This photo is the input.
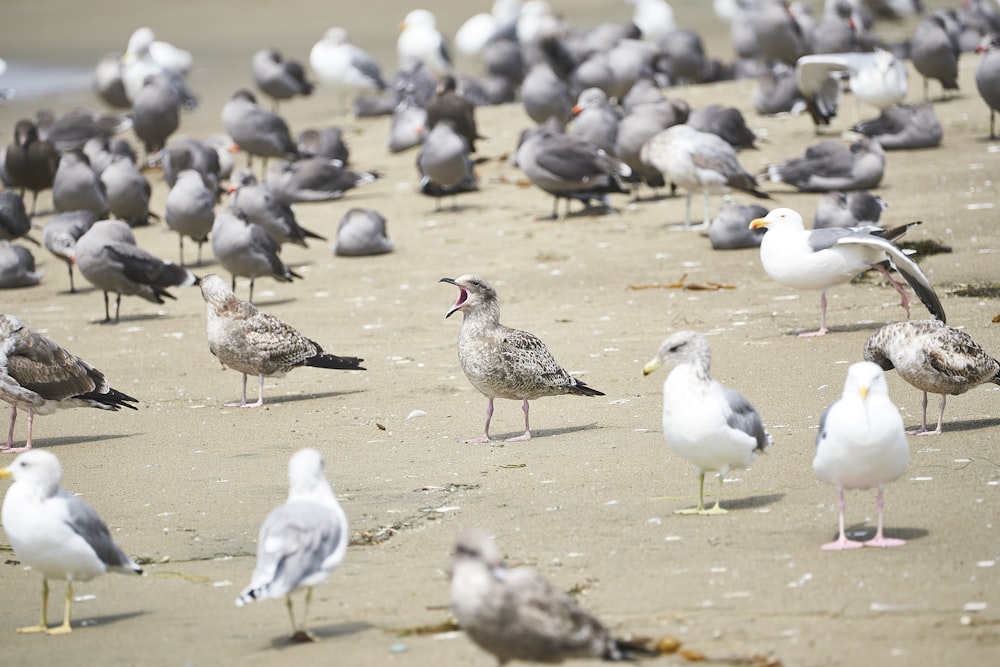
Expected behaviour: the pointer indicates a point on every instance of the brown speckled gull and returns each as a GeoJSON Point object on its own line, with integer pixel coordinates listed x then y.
{"type": "Point", "coordinates": [41, 377]}
{"type": "Point", "coordinates": [255, 343]}
{"type": "Point", "coordinates": [934, 358]}
{"type": "Point", "coordinates": [502, 362]}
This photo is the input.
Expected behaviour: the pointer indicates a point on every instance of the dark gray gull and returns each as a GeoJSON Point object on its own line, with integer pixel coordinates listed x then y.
{"type": "Point", "coordinates": [778, 35]}
{"type": "Point", "coordinates": [644, 91]}
{"type": "Point", "coordinates": [17, 266]}
{"type": "Point", "coordinates": [696, 160]}
{"type": "Point", "coordinates": [260, 206]}
{"type": "Point", "coordinates": [444, 164]}
{"type": "Point", "coordinates": [568, 168]}
{"type": "Point", "coordinates": [31, 163]}
{"type": "Point", "coordinates": [278, 78]}
{"type": "Point", "coordinates": [346, 68]}
{"type": "Point", "coordinates": [190, 210]}
{"type": "Point", "coordinates": [109, 258]}
{"type": "Point", "coordinates": [848, 209]}
{"type": "Point", "coordinates": [128, 192]}
{"type": "Point", "coordinates": [75, 127]}
{"type": "Point", "coordinates": [56, 533]}
{"type": "Point", "coordinates": [255, 343]}
{"type": "Point", "coordinates": [730, 230]}
{"type": "Point", "coordinates": [327, 142]}
{"type": "Point", "coordinates": [638, 127]}
{"type": "Point", "coordinates": [836, 31]}
{"type": "Point", "coordinates": [501, 362]}
{"type": "Point", "coordinates": [256, 130]}
{"type": "Point", "coordinates": [101, 151]}
{"type": "Point", "coordinates": [988, 77]}
{"type": "Point", "coordinates": [934, 358]}
{"type": "Point", "coordinates": [631, 60]}
{"type": "Point", "coordinates": [362, 232]}
{"type": "Point", "coordinates": [544, 95]}
{"type": "Point", "coordinates": [819, 259]}
{"type": "Point", "coordinates": [61, 233]}
{"type": "Point", "coordinates": [194, 154]}
{"type": "Point", "coordinates": [706, 423]}
{"type": "Point", "coordinates": [448, 104]}
{"type": "Point", "coordinates": [595, 120]}
{"type": "Point", "coordinates": [14, 221]}
{"type": "Point", "coordinates": [514, 613]}
{"type": "Point", "coordinates": [831, 165]}
{"type": "Point", "coordinates": [904, 127]}
{"type": "Point", "coordinates": [777, 91]}
{"type": "Point", "coordinates": [156, 113]}
{"type": "Point", "coordinates": [726, 122]}
{"type": "Point", "coordinates": [248, 250]}
{"type": "Point", "coordinates": [861, 444]}
{"type": "Point", "coordinates": [77, 186]}
{"type": "Point", "coordinates": [877, 78]}
{"type": "Point", "coordinates": [314, 179]}
{"type": "Point", "coordinates": [40, 376]}
{"type": "Point", "coordinates": [681, 58]}
{"type": "Point", "coordinates": [934, 54]}
{"type": "Point", "coordinates": [301, 541]}
{"type": "Point", "coordinates": [421, 42]}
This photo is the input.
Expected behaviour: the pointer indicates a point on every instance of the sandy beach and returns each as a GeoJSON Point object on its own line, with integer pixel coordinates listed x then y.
{"type": "Point", "coordinates": [184, 483]}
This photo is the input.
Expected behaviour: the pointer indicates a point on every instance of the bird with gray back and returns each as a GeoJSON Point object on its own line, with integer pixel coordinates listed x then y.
{"type": "Point", "coordinates": [278, 78]}
{"type": "Point", "coordinates": [156, 113]}
{"type": "Point", "coordinates": [988, 77]}
{"type": "Point", "coordinates": [61, 233]}
{"type": "Point", "coordinates": [444, 164]}
{"type": "Point", "coordinates": [128, 192]}
{"type": "Point", "coordinates": [260, 206]}
{"type": "Point", "coordinates": [17, 266]}
{"type": "Point", "coordinates": [14, 221]}
{"type": "Point", "coordinates": [247, 250]}
{"type": "Point", "coordinates": [256, 130]}
{"type": "Point", "coordinates": [832, 165]}
{"type": "Point", "coordinates": [78, 187]}
{"type": "Point", "coordinates": [362, 232]}
{"type": "Point", "coordinates": [190, 210]}
{"type": "Point", "coordinates": [904, 127]}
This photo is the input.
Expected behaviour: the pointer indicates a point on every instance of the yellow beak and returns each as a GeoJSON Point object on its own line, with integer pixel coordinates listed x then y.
{"type": "Point", "coordinates": [653, 364]}
{"type": "Point", "coordinates": [5, 473]}
{"type": "Point", "coordinates": [758, 223]}
{"type": "Point", "coordinates": [863, 390]}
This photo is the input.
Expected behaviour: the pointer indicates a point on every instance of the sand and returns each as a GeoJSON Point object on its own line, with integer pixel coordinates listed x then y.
{"type": "Point", "coordinates": [184, 483]}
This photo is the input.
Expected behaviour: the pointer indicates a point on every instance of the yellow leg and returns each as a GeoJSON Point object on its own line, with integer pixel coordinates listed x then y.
{"type": "Point", "coordinates": [65, 628]}
{"type": "Point", "coordinates": [299, 634]}
{"type": "Point", "coordinates": [43, 624]}
{"type": "Point", "coordinates": [718, 499]}
{"type": "Point", "coordinates": [701, 497]}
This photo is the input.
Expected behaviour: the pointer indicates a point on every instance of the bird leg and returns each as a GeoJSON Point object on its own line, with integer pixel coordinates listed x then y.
{"type": "Point", "coordinates": [10, 434]}
{"type": "Point", "coordinates": [180, 238]}
{"type": "Point", "coordinates": [904, 298]}
{"type": "Point", "coordinates": [107, 311]}
{"type": "Point", "coordinates": [243, 402]}
{"type": "Point", "coordinates": [118, 305]}
{"type": "Point", "coordinates": [43, 625]}
{"type": "Point", "coordinates": [701, 497]}
{"type": "Point", "coordinates": [486, 431]}
{"type": "Point", "coordinates": [923, 422]}
{"type": "Point", "coordinates": [250, 298]}
{"type": "Point", "coordinates": [718, 499]}
{"type": "Point", "coordinates": [842, 541]}
{"type": "Point", "coordinates": [9, 448]}
{"type": "Point", "coordinates": [72, 287]}
{"type": "Point", "coordinates": [300, 634]}
{"type": "Point", "coordinates": [822, 319]}
{"type": "Point", "coordinates": [65, 628]}
{"type": "Point", "coordinates": [527, 431]}
{"type": "Point", "coordinates": [879, 540]}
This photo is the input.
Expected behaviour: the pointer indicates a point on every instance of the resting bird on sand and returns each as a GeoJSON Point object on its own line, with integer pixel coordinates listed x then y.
{"type": "Point", "coordinates": [56, 533]}
{"type": "Point", "coordinates": [502, 362]}
{"type": "Point", "coordinates": [708, 424]}
{"type": "Point", "coordinates": [41, 377]}
{"type": "Point", "coordinates": [255, 343]}
{"type": "Point", "coordinates": [516, 614]}
{"type": "Point", "coordinates": [822, 258]}
{"type": "Point", "coordinates": [861, 444]}
{"type": "Point", "coordinates": [301, 541]}
{"type": "Point", "coordinates": [934, 358]}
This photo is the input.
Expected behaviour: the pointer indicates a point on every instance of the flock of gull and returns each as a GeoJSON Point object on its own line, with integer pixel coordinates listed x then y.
{"type": "Point", "coordinates": [602, 126]}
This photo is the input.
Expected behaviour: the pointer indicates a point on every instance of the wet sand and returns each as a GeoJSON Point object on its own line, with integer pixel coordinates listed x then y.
{"type": "Point", "coordinates": [185, 483]}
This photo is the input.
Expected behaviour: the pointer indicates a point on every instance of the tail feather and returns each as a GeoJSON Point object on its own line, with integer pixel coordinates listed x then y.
{"type": "Point", "coordinates": [334, 362]}
{"type": "Point", "coordinates": [112, 399]}
{"type": "Point", "coordinates": [582, 389]}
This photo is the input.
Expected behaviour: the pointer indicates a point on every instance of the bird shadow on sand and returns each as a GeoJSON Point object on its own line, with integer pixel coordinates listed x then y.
{"type": "Point", "coordinates": [862, 531]}
{"type": "Point", "coordinates": [78, 439]}
{"type": "Point", "coordinates": [967, 425]}
{"type": "Point", "coordinates": [294, 398]}
{"type": "Point", "coordinates": [125, 319]}
{"type": "Point", "coordinates": [537, 434]}
{"type": "Point", "coordinates": [843, 328]}
{"type": "Point", "coordinates": [81, 624]}
{"type": "Point", "coordinates": [79, 290]}
{"type": "Point", "coordinates": [752, 502]}
{"type": "Point", "coordinates": [322, 633]}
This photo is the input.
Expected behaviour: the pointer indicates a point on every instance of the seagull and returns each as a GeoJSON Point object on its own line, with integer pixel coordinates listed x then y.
{"type": "Point", "coordinates": [861, 444]}
{"type": "Point", "coordinates": [708, 424]}
{"type": "Point", "coordinates": [516, 614]}
{"type": "Point", "coordinates": [934, 54]}
{"type": "Point", "coordinates": [988, 77]}
{"type": "Point", "coordinates": [344, 66]}
{"type": "Point", "coordinates": [156, 113]}
{"type": "Point", "coordinates": [128, 191]}
{"type": "Point", "coordinates": [245, 249]}
{"type": "Point", "coordinates": [30, 161]}
{"type": "Point", "coordinates": [447, 104]}
{"type": "Point", "coordinates": [278, 78]}
{"type": "Point", "coordinates": [821, 258]}
{"type": "Point", "coordinates": [190, 210]}
{"type": "Point", "coordinates": [444, 164]}
{"type": "Point", "coordinates": [301, 541]}
{"type": "Point", "coordinates": [77, 186]}
{"type": "Point", "coordinates": [420, 42]}
{"type": "Point", "coordinates": [255, 343]}
{"type": "Point", "coordinates": [904, 127]}
{"type": "Point", "coordinates": [262, 207]}
{"type": "Point", "coordinates": [362, 232]}
{"type": "Point", "coordinates": [877, 78]}
{"type": "Point", "coordinates": [256, 130]}
{"type": "Point", "coordinates": [934, 358]}
{"type": "Point", "coordinates": [501, 362]}
{"type": "Point", "coordinates": [830, 165]}
{"type": "Point", "coordinates": [848, 209]}
{"type": "Point", "coordinates": [14, 221]}
{"type": "Point", "coordinates": [55, 532]}
{"type": "Point", "coordinates": [145, 55]}
{"type": "Point", "coordinates": [729, 229]}
{"type": "Point", "coordinates": [61, 233]}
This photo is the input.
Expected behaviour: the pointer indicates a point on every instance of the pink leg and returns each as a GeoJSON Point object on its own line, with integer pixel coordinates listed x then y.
{"type": "Point", "coordinates": [923, 419]}
{"type": "Point", "coordinates": [486, 431]}
{"type": "Point", "coordinates": [243, 403]}
{"type": "Point", "coordinates": [27, 445]}
{"type": "Point", "coordinates": [842, 542]}
{"type": "Point", "coordinates": [822, 319]}
{"type": "Point", "coordinates": [879, 540]}
{"type": "Point", "coordinates": [937, 431]}
{"type": "Point", "coordinates": [10, 434]}
{"type": "Point", "coordinates": [904, 298]}
{"type": "Point", "coordinates": [527, 431]}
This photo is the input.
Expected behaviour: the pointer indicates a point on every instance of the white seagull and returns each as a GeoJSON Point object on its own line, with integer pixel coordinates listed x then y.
{"type": "Point", "coordinates": [877, 78]}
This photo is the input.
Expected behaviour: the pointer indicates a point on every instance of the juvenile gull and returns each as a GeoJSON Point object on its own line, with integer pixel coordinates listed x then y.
{"type": "Point", "coordinates": [861, 444]}
{"type": "Point", "coordinates": [17, 266]}
{"type": "Point", "coordinates": [987, 77]}
{"type": "Point", "coordinates": [39, 376]}
{"type": "Point", "coordinates": [903, 127]}
{"type": "Point", "coordinates": [821, 258]}
{"type": "Point", "coordinates": [278, 78]}
{"type": "Point", "coordinates": [501, 362]}
{"type": "Point", "coordinates": [830, 165]}
{"type": "Point", "coordinates": [362, 232]}
{"type": "Point", "coordinates": [55, 532]}
{"type": "Point", "coordinates": [245, 249]}
{"type": "Point", "coordinates": [934, 358]}
{"type": "Point", "coordinates": [447, 104]}
{"type": "Point", "coordinates": [31, 163]}
{"type": "Point", "coordinates": [516, 614]}
{"type": "Point", "coordinates": [255, 343]}
{"type": "Point", "coordinates": [190, 210]}
{"type": "Point", "coordinates": [708, 424]}
{"type": "Point", "coordinates": [108, 257]}
{"type": "Point", "coordinates": [301, 541]}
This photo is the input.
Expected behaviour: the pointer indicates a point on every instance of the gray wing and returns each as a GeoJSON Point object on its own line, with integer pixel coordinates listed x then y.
{"type": "Point", "coordinates": [826, 237]}
{"type": "Point", "coordinates": [86, 523]}
{"type": "Point", "coordinates": [821, 436]}
{"type": "Point", "coordinates": [363, 62]}
{"type": "Point", "coordinates": [744, 417]}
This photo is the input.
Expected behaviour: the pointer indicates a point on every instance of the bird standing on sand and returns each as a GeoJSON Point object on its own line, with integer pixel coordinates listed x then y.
{"type": "Point", "coordinates": [245, 249]}
{"type": "Point", "coordinates": [987, 78]}
{"type": "Point", "coordinates": [55, 532]}
{"type": "Point", "coordinates": [38, 375]}
{"type": "Point", "coordinates": [934, 358]}
{"type": "Point", "coordinates": [278, 78]}
{"type": "Point", "coordinates": [255, 343]}
{"type": "Point", "coordinates": [516, 614]}
{"type": "Point", "coordinates": [861, 444]}
{"type": "Point", "coordinates": [822, 258]}
{"type": "Point", "coordinates": [256, 130]}
{"type": "Point", "coordinates": [31, 163]}
{"type": "Point", "coordinates": [708, 424]}
{"type": "Point", "coordinates": [502, 362]}
{"type": "Point", "coordinates": [301, 541]}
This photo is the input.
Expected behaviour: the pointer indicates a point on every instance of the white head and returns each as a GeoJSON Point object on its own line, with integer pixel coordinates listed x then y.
{"type": "Point", "coordinates": [37, 468]}
{"type": "Point", "coordinates": [784, 218]}
{"type": "Point", "coordinates": [306, 473]}
{"type": "Point", "coordinates": [863, 379]}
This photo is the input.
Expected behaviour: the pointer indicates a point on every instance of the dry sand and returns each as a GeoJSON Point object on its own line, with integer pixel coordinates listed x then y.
{"type": "Point", "coordinates": [185, 483]}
